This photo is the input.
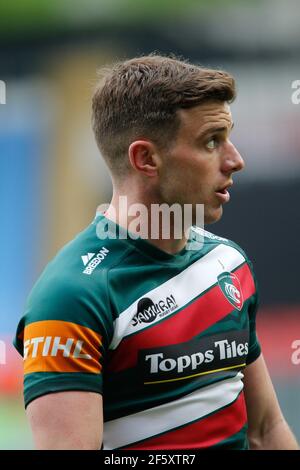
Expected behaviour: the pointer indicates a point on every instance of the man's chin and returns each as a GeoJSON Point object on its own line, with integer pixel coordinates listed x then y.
{"type": "Point", "coordinates": [213, 216]}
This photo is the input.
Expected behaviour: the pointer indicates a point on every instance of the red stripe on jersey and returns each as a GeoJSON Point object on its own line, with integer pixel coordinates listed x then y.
{"type": "Point", "coordinates": [204, 433]}
{"type": "Point", "coordinates": [182, 326]}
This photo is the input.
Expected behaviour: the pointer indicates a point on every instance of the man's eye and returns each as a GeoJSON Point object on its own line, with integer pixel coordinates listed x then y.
{"type": "Point", "coordinates": [212, 143]}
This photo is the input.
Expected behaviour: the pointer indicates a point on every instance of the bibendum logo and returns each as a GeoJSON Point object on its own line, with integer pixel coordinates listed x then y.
{"type": "Point", "coordinates": [230, 286]}
{"type": "Point", "coordinates": [207, 355]}
{"type": "Point", "coordinates": [148, 311]}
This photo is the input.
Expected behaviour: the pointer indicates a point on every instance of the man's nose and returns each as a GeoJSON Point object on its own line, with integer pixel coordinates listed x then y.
{"type": "Point", "coordinates": [232, 159]}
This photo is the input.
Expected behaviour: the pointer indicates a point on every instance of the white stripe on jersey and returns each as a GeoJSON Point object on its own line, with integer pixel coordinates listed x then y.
{"type": "Point", "coordinates": [185, 287]}
{"type": "Point", "coordinates": [153, 421]}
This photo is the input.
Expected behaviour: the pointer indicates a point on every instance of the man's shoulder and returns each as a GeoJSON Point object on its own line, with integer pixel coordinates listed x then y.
{"type": "Point", "coordinates": [72, 289]}
{"type": "Point", "coordinates": [85, 259]}
{"type": "Point", "coordinates": [76, 278]}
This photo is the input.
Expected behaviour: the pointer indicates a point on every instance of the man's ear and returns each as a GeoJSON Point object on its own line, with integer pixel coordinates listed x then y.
{"type": "Point", "coordinates": [143, 157]}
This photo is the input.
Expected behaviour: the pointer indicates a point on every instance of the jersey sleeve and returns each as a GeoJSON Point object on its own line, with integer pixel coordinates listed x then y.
{"type": "Point", "coordinates": [63, 336]}
{"type": "Point", "coordinates": [254, 345]}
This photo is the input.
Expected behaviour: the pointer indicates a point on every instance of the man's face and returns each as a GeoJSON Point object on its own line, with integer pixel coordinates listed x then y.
{"type": "Point", "coordinates": [202, 160]}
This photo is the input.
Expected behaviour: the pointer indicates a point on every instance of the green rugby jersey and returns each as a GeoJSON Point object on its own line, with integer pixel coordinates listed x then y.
{"type": "Point", "coordinates": [164, 338]}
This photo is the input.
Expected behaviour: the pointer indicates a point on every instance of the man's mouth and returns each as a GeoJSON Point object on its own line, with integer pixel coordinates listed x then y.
{"type": "Point", "coordinates": [223, 193]}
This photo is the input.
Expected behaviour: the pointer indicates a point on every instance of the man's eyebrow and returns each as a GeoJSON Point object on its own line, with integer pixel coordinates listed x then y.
{"type": "Point", "coordinates": [213, 130]}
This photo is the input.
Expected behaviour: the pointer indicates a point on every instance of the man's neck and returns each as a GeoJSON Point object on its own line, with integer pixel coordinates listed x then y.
{"type": "Point", "coordinates": [124, 212]}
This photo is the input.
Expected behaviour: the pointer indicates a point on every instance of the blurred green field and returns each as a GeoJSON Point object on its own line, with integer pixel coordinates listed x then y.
{"type": "Point", "coordinates": [15, 433]}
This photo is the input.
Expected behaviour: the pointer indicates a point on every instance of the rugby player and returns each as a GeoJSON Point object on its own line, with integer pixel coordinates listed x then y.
{"type": "Point", "coordinates": [144, 342]}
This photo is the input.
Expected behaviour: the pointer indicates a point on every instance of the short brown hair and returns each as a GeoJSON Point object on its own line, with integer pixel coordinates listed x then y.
{"type": "Point", "coordinates": [139, 98]}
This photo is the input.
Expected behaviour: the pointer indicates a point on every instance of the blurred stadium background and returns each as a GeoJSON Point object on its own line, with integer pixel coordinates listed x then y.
{"type": "Point", "coordinates": [52, 178]}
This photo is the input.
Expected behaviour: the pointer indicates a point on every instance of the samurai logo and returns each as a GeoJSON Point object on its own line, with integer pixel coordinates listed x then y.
{"type": "Point", "coordinates": [230, 286]}
{"type": "Point", "coordinates": [148, 311]}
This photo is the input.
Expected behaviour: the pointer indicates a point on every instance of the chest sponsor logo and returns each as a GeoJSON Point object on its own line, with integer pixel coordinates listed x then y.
{"type": "Point", "coordinates": [198, 357]}
{"type": "Point", "coordinates": [148, 311]}
{"type": "Point", "coordinates": [230, 286]}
